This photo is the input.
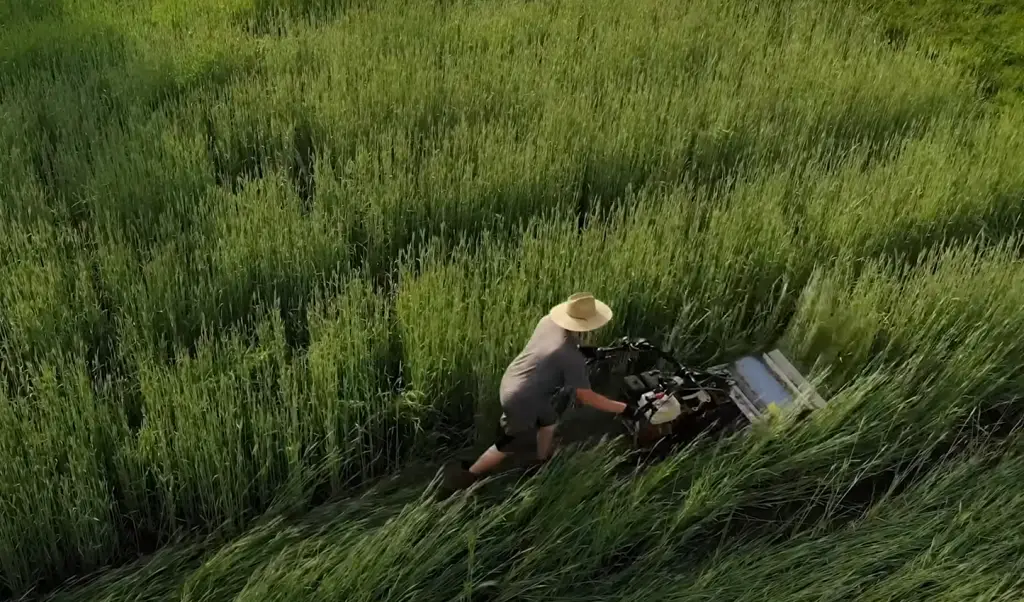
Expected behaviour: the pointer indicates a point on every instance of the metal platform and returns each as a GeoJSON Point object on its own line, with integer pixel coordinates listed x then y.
{"type": "Point", "coordinates": [767, 380]}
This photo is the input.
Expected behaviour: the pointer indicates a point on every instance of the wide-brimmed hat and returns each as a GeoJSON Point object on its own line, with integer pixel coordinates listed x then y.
{"type": "Point", "coordinates": [581, 313]}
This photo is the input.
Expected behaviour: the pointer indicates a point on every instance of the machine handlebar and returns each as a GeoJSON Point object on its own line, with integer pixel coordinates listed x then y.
{"type": "Point", "coordinates": [624, 345]}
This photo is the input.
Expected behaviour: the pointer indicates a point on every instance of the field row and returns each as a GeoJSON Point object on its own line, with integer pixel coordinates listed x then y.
{"type": "Point", "coordinates": [98, 295]}
{"type": "Point", "coordinates": [219, 435]}
{"type": "Point", "coordinates": [892, 453]}
{"type": "Point", "coordinates": [942, 539]}
{"type": "Point", "coordinates": [341, 381]}
{"type": "Point", "coordinates": [264, 166]}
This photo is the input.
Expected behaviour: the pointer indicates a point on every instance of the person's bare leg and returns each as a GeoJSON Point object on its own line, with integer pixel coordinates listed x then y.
{"type": "Point", "coordinates": [488, 461]}
{"type": "Point", "coordinates": [545, 441]}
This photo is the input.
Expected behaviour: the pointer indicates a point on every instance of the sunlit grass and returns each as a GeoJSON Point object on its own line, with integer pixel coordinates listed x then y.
{"type": "Point", "coordinates": [254, 253]}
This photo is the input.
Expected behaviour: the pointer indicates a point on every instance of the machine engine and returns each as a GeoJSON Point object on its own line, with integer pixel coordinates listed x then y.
{"type": "Point", "coordinates": [678, 403]}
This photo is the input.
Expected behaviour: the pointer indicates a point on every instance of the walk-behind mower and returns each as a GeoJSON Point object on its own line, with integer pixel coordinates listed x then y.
{"type": "Point", "coordinates": [678, 403]}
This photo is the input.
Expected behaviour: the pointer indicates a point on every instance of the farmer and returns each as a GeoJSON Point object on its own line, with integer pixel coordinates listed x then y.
{"type": "Point", "coordinates": [551, 365]}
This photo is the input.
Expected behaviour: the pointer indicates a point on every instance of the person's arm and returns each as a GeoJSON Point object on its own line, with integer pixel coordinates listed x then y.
{"type": "Point", "coordinates": [600, 402]}
{"type": "Point", "coordinates": [577, 380]}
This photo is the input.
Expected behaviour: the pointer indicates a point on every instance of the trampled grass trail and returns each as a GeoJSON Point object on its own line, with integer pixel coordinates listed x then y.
{"type": "Point", "coordinates": [255, 253]}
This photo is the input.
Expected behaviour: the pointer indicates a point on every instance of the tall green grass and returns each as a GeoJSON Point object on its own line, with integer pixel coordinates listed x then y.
{"type": "Point", "coordinates": [885, 312]}
{"type": "Point", "coordinates": [882, 425]}
{"type": "Point", "coordinates": [247, 247]}
{"type": "Point", "coordinates": [707, 273]}
{"type": "Point", "coordinates": [55, 482]}
{"type": "Point", "coordinates": [582, 531]}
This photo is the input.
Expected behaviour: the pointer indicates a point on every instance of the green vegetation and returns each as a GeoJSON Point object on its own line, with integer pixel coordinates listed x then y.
{"type": "Point", "coordinates": [255, 254]}
{"type": "Point", "coordinates": [986, 36]}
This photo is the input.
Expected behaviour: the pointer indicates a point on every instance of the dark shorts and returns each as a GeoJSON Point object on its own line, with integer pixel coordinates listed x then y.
{"type": "Point", "coordinates": [518, 419]}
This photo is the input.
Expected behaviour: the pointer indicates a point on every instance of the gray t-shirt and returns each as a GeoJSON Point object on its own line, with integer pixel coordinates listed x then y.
{"type": "Point", "coordinates": [551, 363]}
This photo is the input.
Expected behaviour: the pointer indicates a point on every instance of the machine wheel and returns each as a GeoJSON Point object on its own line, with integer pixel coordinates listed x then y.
{"type": "Point", "coordinates": [650, 434]}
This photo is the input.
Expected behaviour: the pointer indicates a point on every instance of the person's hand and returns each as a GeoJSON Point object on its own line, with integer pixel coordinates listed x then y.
{"type": "Point", "coordinates": [634, 411]}
{"type": "Point", "coordinates": [631, 413]}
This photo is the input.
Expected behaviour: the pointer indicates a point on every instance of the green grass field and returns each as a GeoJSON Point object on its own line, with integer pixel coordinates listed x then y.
{"type": "Point", "coordinates": [258, 254]}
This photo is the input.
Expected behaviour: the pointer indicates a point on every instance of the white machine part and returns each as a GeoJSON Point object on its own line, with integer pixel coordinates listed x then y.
{"type": "Point", "coordinates": [660, 407]}
{"type": "Point", "coordinates": [767, 380]}
{"type": "Point", "coordinates": [761, 383]}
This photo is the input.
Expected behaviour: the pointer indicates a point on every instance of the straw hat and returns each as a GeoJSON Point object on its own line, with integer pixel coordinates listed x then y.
{"type": "Point", "coordinates": [581, 313]}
